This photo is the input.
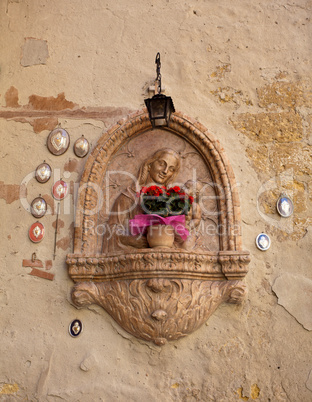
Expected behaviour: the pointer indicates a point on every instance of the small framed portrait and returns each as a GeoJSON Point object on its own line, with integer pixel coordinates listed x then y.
{"type": "Point", "coordinates": [285, 206]}
{"type": "Point", "coordinates": [263, 242]}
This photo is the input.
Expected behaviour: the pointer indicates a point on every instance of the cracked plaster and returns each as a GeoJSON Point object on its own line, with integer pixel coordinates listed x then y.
{"type": "Point", "coordinates": [294, 293]}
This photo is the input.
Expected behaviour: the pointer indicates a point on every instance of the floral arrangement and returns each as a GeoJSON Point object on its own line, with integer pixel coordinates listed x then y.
{"type": "Point", "coordinates": [164, 201]}
{"type": "Point", "coordinates": [162, 206]}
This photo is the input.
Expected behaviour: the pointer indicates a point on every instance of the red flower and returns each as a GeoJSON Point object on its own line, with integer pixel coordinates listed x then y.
{"type": "Point", "coordinates": [153, 190]}
{"type": "Point", "coordinates": [191, 199]}
{"type": "Point", "coordinates": [169, 201]}
{"type": "Point", "coordinates": [174, 189]}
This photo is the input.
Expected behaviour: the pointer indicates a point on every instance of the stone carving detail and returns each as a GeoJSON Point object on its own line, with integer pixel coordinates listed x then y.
{"type": "Point", "coordinates": [159, 309]}
{"type": "Point", "coordinates": [150, 263]}
{"type": "Point", "coordinates": [169, 291]}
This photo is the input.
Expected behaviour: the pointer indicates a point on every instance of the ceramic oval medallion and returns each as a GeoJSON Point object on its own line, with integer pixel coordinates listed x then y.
{"type": "Point", "coordinates": [43, 172]}
{"type": "Point", "coordinates": [60, 190]}
{"type": "Point", "coordinates": [38, 207]}
{"type": "Point", "coordinates": [75, 328]}
{"type": "Point", "coordinates": [36, 232]}
{"type": "Point", "coordinates": [81, 147]}
{"type": "Point", "coordinates": [58, 141]}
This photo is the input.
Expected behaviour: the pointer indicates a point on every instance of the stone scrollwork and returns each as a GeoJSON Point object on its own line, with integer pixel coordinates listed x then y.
{"type": "Point", "coordinates": [159, 309]}
{"type": "Point", "coordinates": [163, 292]}
{"type": "Point", "coordinates": [234, 265]}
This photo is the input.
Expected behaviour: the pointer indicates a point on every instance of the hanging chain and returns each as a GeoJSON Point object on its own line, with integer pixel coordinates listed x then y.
{"type": "Point", "coordinates": [158, 77]}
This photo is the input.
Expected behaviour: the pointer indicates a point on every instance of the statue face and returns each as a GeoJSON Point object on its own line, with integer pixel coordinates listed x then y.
{"type": "Point", "coordinates": [163, 168]}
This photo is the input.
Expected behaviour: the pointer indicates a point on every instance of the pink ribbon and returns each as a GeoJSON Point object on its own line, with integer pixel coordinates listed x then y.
{"type": "Point", "coordinates": [139, 224]}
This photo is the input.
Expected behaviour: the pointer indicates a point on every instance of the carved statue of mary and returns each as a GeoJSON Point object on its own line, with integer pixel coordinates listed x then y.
{"type": "Point", "coordinates": [160, 169]}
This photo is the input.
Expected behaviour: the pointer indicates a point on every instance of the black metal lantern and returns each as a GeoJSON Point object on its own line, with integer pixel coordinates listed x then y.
{"type": "Point", "coordinates": [159, 106]}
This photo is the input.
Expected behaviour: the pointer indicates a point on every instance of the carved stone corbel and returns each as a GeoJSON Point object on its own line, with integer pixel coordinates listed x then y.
{"type": "Point", "coordinates": [234, 265]}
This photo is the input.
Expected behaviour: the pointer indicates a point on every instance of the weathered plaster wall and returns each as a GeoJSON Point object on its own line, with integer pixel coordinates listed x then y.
{"type": "Point", "coordinates": [243, 69]}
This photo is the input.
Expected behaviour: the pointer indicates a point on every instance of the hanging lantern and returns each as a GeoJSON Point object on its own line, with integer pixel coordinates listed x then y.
{"type": "Point", "coordinates": [159, 106]}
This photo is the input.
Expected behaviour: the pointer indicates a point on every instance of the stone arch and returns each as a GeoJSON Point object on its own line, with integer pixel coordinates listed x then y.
{"type": "Point", "coordinates": [198, 136]}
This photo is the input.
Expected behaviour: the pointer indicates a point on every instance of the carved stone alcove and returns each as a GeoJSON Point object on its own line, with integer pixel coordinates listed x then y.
{"type": "Point", "coordinates": [157, 294]}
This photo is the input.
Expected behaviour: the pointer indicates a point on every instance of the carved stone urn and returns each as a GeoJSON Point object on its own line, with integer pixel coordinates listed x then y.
{"type": "Point", "coordinates": [157, 292]}
{"type": "Point", "coordinates": [159, 236]}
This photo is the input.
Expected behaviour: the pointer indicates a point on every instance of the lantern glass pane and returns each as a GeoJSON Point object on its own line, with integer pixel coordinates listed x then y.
{"type": "Point", "coordinates": [158, 107]}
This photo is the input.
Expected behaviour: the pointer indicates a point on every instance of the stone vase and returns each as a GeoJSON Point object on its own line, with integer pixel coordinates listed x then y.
{"type": "Point", "coordinates": [160, 236]}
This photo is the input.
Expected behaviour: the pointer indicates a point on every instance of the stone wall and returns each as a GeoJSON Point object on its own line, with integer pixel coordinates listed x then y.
{"type": "Point", "coordinates": [240, 68]}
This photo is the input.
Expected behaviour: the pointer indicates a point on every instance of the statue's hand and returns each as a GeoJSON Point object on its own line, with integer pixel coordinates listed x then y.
{"type": "Point", "coordinates": [134, 241]}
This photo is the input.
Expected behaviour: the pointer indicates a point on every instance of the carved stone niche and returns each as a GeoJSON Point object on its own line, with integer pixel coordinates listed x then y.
{"type": "Point", "coordinates": [157, 294]}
